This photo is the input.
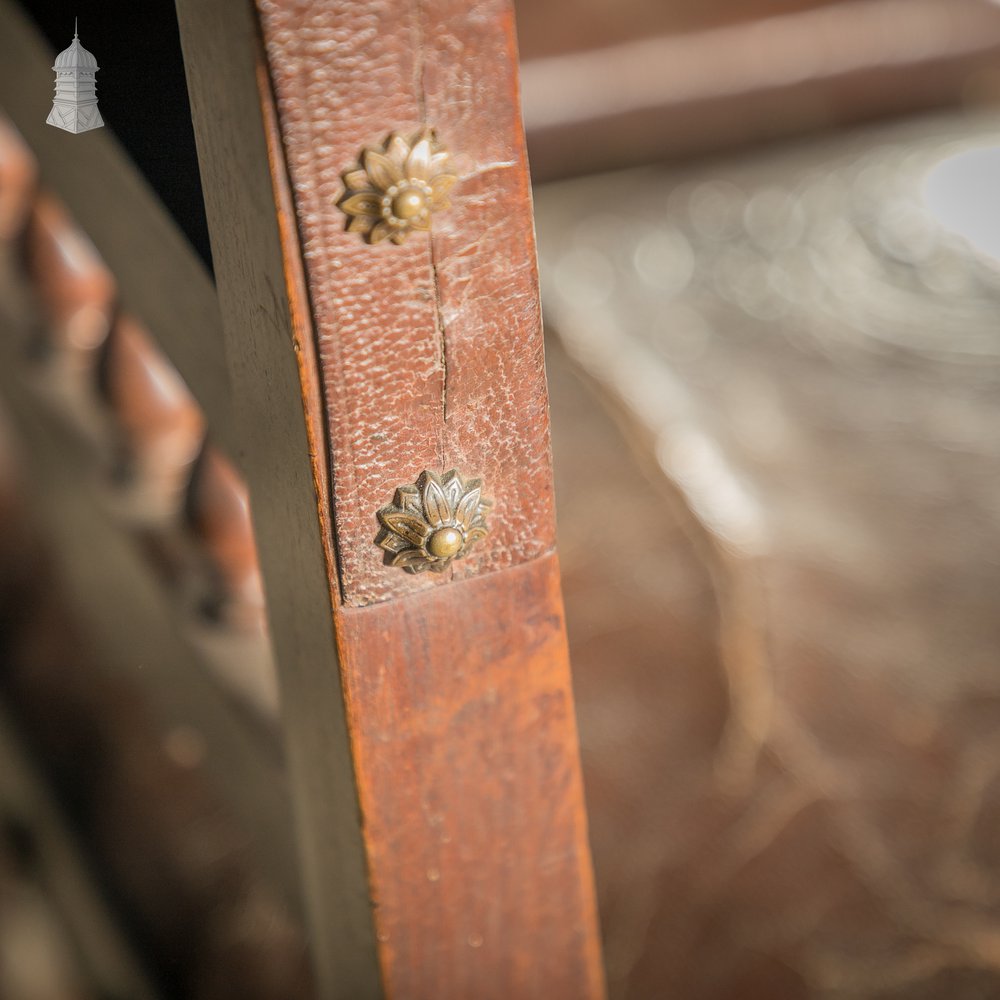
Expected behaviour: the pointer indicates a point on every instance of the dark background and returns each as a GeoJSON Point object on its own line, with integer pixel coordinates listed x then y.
{"type": "Point", "coordinates": [142, 93]}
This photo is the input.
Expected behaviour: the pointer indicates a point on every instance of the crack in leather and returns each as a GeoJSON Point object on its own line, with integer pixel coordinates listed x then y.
{"type": "Point", "coordinates": [431, 352]}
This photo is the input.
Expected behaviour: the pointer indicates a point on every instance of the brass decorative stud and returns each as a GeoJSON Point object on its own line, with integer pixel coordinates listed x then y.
{"type": "Point", "coordinates": [432, 522]}
{"type": "Point", "coordinates": [397, 188]}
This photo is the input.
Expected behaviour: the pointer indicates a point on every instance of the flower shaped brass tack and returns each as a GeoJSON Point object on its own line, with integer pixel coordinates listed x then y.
{"type": "Point", "coordinates": [398, 188]}
{"type": "Point", "coordinates": [432, 522]}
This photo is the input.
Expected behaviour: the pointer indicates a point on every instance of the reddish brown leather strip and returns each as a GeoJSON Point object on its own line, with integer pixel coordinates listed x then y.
{"type": "Point", "coordinates": [470, 789]}
{"type": "Point", "coordinates": [431, 352]}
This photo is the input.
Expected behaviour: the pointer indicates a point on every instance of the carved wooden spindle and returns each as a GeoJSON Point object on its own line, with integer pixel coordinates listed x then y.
{"type": "Point", "coordinates": [224, 585]}
{"type": "Point", "coordinates": [105, 372]}
{"type": "Point", "coordinates": [75, 299]}
{"type": "Point", "coordinates": [75, 289]}
{"type": "Point", "coordinates": [129, 399]}
{"type": "Point", "coordinates": [18, 182]}
{"type": "Point", "coordinates": [159, 425]}
{"type": "Point", "coordinates": [218, 514]}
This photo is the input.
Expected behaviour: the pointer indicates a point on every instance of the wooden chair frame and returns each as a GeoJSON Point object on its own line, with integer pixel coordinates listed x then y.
{"type": "Point", "coordinates": [427, 718]}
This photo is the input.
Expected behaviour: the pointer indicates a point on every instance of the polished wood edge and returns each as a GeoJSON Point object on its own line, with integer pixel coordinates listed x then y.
{"type": "Point", "coordinates": [303, 330]}
{"type": "Point", "coordinates": [268, 342]}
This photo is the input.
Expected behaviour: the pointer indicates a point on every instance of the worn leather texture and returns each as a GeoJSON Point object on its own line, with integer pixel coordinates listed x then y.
{"type": "Point", "coordinates": [431, 351]}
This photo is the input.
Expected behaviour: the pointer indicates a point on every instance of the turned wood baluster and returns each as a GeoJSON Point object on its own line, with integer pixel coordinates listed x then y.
{"type": "Point", "coordinates": [75, 299]}
{"type": "Point", "coordinates": [218, 512]}
{"type": "Point", "coordinates": [18, 182]}
{"type": "Point", "coordinates": [103, 370]}
{"type": "Point", "coordinates": [159, 426]}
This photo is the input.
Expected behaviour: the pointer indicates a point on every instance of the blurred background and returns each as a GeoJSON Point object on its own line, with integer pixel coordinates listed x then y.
{"type": "Point", "coordinates": [769, 240]}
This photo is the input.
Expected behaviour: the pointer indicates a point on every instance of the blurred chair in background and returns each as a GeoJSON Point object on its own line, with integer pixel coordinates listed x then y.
{"type": "Point", "coordinates": [800, 347]}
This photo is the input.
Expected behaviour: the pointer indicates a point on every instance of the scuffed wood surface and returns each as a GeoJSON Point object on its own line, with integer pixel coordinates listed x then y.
{"type": "Point", "coordinates": [431, 351]}
{"type": "Point", "coordinates": [466, 752]}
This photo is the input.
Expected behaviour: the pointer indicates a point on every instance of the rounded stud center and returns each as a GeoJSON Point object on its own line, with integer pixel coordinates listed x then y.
{"type": "Point", "coordinates": [444, 543]}
{"type": "Point", "coordinates": [409, 203]}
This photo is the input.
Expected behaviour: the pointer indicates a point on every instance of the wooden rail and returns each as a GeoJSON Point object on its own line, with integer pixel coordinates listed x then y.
{"type": "Point", "coordinates": [428, 717]}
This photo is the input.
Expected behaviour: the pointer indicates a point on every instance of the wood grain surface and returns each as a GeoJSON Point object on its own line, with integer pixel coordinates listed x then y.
{"type": "Point", "coordinates": [466, 754]}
